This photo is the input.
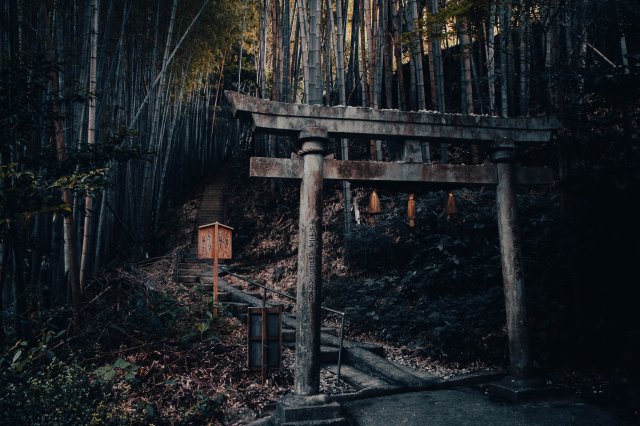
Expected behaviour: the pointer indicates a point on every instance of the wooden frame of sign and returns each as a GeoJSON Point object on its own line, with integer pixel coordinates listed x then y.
{"type": "Point", "coordinates": [222, 235]}
{"type": "Point", "coordinates": [264, 339]}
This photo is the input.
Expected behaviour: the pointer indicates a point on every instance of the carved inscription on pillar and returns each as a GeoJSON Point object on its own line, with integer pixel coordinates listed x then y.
{"type": "Point", "coordinates": [307, 364]}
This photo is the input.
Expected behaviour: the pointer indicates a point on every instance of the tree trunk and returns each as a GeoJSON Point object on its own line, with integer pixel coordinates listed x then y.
{"type": "Point", "coordinates": [437, 61]}
{"type": "Point", "coordinates": [4, 256]}
{"type": "Point", "coordinates": [91, 133]}
{"type": "Point", "coordinates": [262, 49]}
{"type": "Point", "coordinates": [466, 62]}
{"type": "Point", "coordinates": [156, 136]}
{"type": "Point", "coordinates": [388, 54]}
{"type": "Point", "coordinates": [353, 70]}
{"type": "Point", "coordinates": [276, 31]}
{"type": "Point", "coordinates": [511, 58]}
{"type": "Point", "coordinates": [438, 74]}
{"type": "Point", "coordinates": [504, 28]}
{"type": "Point", "coordinates": [524, 58]}
{"type": "Point", "coordinates": [286, 50]}
{"type": "Point", "coordinates": [551, 56]}
{"type": "Point", "coordinates": [71, 265]}
{"type": "Point", "coordinates": [21, 315]}
{"type": "Point", "coordinates": [364, 58]}
{"type": "Point", "coordinates": [315, 70]}
{"type": "Point", "coordinates": [379, 62]}
{"type": "Point", "coordinates": [417, 56]}
{"type": "Point", "coordinates": [397, 31]}
{"type": "Point", "coordinates": [344, 143]}
{"type": "Point", "coordinates": [329, 43]}
{"type": "Point", "coordinates": [305, 47]}
{"type": "Point", "coordinates": [491, 62]}
{"type": "Point", "coordinates": [100, 238]}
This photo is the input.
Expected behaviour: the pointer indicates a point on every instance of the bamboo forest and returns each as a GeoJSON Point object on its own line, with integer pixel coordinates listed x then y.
{"type": "Point", "coordinates": [319, 212]}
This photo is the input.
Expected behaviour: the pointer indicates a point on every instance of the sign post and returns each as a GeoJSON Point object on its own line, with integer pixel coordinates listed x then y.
{"type": "Point", "coordinates": [214, 242]}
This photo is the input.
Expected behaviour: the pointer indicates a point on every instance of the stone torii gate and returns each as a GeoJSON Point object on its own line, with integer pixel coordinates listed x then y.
{"type": "Point", "coordinates": [313, 125]}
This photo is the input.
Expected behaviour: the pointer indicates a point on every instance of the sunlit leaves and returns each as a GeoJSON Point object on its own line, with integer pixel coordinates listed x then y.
{"type": "Point", "coordinates": [88, 182]}
{"type": "Point", "coordinates": [214, 41]}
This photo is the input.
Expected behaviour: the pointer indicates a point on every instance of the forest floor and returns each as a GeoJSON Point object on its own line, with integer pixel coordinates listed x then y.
{"type": "Point", "coordinates": [150, 352]}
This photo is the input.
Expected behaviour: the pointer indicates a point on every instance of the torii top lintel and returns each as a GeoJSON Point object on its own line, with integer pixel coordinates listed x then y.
{"type": "Point", "coordinates": [288, 118]}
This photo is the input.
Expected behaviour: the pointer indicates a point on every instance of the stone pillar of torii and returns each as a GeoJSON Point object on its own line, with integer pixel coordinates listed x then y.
{"type": "Point", "coordinates": [314, 125]}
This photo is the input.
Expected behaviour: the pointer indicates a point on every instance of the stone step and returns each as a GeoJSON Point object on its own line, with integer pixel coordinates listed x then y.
{"type": "Point", "coordinates": [288, 335]}
{"type": "Point", "coordinates": [207, 278]}
{"type": "Point", "coordinates": [190, 261]}
{"type": "Point", "coordinates": [256, 294]}
{"type": "Point", "coordinates": [308, 411]}
{"type": "Point", "coordinates": [327, 422]}
{"type": "Point", "coordinates": [223, 296]}
{"type": "Point", "coordinates": [195, 271]}
{"type": "Point", "coordinates": [198, 267]}
{"type": "Point", "coordinates": [372, 347]}
{"type": "Point", "coordinates": [328, 354]}
{"type": "Point", "coordinates": [236, 307]}
{"type": "Point", "coordinates": [194, 268]}
{"type": "Point", "coordinates": [330, 330]}
{"type": "Point", "coordinates": [194, 264]}
{"type": "Point", "coordinates": [357, 379]}
{"type": "Point", "coordinates": [188, 278]}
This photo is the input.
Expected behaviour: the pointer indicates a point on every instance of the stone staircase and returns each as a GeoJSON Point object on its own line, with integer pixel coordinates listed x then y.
{"type": "Point", "coordinates": [211, 210]}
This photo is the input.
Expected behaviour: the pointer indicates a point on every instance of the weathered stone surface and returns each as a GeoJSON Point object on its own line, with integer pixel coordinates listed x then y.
{"type": "Point", "coordinates": [519, 390]}
{"type": "Point", "coordinates": [288, 118]}
{"type": "Point", "coordinates": [308, 410]}
{"type": "Point", "coordinates": [469, 407]}
{"type": "Point", "coordinates": [511, 257]}
{"type": "Point", "coordinates": [379, 171]}
{"type": "Point", "coordinates": [309, 277]}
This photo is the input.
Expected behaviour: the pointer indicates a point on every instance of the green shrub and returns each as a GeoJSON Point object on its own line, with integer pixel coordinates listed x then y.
{"type": "Point", "coordinates": [55, 393]}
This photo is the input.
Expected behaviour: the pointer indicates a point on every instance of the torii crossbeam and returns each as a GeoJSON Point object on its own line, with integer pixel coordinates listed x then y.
{"type": "Point", "coordinates": [313, 125]}
{"type": "Point", "coordinates": [287, 118]}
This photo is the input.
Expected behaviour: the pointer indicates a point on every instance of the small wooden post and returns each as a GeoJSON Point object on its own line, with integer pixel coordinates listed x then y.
{"type": "Point", "coordinates": [263, 344]}
{"type": "Point", "coordinates": [307, 364]}
{"type": "Point", "coordinates": [451, 210]}
{"type": "Point", "coordinates": [411, 211]}
{"type": "Point", "coordinates": [215, 271]}
{"type": "Point", "coordinates": [510, 251]}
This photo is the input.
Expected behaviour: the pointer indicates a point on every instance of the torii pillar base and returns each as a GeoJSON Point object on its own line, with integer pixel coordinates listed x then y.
{"type": "Point", "coordinates": [511, 389]}
{"type": "Point", "coordinates": [305, 410]}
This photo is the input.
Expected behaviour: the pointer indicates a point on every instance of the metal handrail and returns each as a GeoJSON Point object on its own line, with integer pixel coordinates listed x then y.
{"type": "Point", "coordinates": [285, 295]}
{"type": "Point", "coordinates": [176, 269]}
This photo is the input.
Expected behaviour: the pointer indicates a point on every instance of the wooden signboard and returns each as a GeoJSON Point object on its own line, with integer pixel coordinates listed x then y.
{"type": "Point", "coordinates": [207, 234]}
{"type": "Point", "coordinates": [214, 242]}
